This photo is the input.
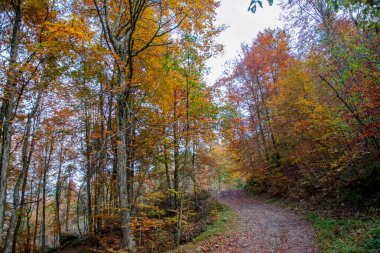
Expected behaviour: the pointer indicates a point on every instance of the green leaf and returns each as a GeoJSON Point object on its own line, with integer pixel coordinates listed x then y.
{"type": "Point", "coordinates": [252, 6]}
{"type": "Point", "coordinates": [336, 6]}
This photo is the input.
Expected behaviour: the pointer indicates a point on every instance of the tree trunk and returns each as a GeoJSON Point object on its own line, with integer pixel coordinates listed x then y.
{"type": "Point", "coordinates": [180, 211]}
{"type": "Point", "coordinates": [127, 239]}
{"type": "Point", "coordinates": [68, 203]}
{"type": "Point", "coordinates": [28, 235]}
{"type": "Point", "coordinates": [28, 246]}
{"type": "Point", "coordinates": [6, 112]}
{"type": "Point", "coordinates": [22, 202]}
{"type": "Point", "coordinates": [58, 197]}
{"type": "Point", "coordinates": [28, 140]}
{"type": "Point", "coordinates": [78, 209]}
{"type": "Point", "coordinates": [130, 157]}
{"type": "Point", "coordinates": [48, 153]}
{"type": "Point", "coordinates": [261, 128]}
{"type": "Point", "coordinates": [193, 163]}
{"type": "Point", "coordinates": [88, 169]}
{"type": "Point", "coordinates": [175, 147]}
{"type": "Point", "coordinates": [101, 147]}
{"type": "Point", "coordinates": [167, 172]}
{"type": "Point", "coordinates": [37, 215]}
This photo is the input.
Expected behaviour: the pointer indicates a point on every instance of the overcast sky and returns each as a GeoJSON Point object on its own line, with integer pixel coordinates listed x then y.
{"type": "Point", "coordinates": [243, 26]}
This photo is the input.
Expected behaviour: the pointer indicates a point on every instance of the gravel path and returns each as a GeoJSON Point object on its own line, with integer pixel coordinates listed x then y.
{"type": "Point", "coordinates": [263, 228]}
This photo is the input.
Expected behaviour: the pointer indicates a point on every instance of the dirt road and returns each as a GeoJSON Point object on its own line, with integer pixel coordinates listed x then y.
{"type": "Point", "coordinates": [263, 228]}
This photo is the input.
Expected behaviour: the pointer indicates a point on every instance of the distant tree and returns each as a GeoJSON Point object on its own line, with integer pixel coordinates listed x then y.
{"type": "Point", "coordinates": [368, 10]}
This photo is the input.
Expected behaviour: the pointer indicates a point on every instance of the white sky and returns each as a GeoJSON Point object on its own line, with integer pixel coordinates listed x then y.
{"type": "Point", "coordinates": [243, 26]}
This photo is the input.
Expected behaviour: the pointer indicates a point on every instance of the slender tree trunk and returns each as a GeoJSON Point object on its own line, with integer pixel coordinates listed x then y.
{"type": "Point", "coordinates": [256, 91]}
{"type": "Point", "coordinates": [102, 143]}
{"type": "Point", "coordinates": [21, 181]}
{"type": "Point", "coordinates": [18, 205]}
{"type": "Point", "coordinates": [16, 199]}
{"type": "Point", "coordinates": [58, 197]}
{"type": "Point", "coordinates": [175, 147]}
{"type": "Point", "coordinates": [112, 140]}
{"type": "Point", "coordinates": [261, 129]}
{"type": "Point", "coordinates": [6, 111]}
{"type": "Point", "coordinates": [128, 139]}
{"type": "Point", "coordinates": [78, 210]}
{"type": "Point", "coordinates": [68, 203]}
{"type": "Point", "coordinates": [28, 246]}
{"type": "Point", "coordinates": [167, 172]}
{"type": "Point", "coordinates": [22, 202]}
{"type": "Point", "coordinates": [193, 163]}
{"type": "Point", "coordinates": [130, 156]}
{"type": "Point", "coordinates": [48, 153]}
{"type": "Point", "coordinates": [99, 191]}
{"type": "Point", "coordinates": [28, 235]}
{"type": "Point", "coordinates": [182, 196]}
{"type": "Point", "coordinates": [37, 215]}
{"type": "Point", "coordinates": [88, 168]}
{"type": "Point", "coordinates": [43, 221]}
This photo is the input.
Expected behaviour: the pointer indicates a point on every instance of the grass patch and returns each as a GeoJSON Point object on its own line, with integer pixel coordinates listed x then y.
{"type": "Point", "coordinates": [226, 220]}
{"type": "Point", "coordinates": [356, 235]}
{"type": "Point", "coordinates": [352, 234]}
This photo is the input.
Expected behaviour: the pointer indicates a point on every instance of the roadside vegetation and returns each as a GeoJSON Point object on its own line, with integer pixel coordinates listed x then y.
{"type": "Point", "coordinates": [338, 229]}
{"type": "Point", "coordinates": [224, 221]}
{"type": "Point", "coordinates": [350, 234]}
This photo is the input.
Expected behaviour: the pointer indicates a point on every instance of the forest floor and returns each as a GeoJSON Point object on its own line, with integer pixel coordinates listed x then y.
{"type": "Point", "coordinates": [259, 227]}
